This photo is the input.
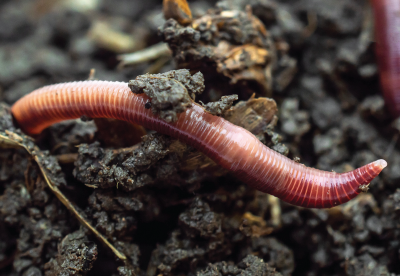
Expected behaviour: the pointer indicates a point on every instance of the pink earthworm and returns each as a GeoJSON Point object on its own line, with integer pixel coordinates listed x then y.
{"type": "Point", "coordinates": [230, 146]}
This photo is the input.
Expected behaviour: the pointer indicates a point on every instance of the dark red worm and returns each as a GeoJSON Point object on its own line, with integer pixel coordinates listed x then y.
{"type": "Point", "coordinates": [233, 147]}
{"type": "Point", "coordinates": [387, 36]}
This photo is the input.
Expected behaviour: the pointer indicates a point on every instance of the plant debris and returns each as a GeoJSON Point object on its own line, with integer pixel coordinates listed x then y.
{"type": "Point", "coordinates": [160, 207]}
{"type": "Point", "coordinates": [178, 10]}
{"type": "Point", "coordinates": [233, 44]}
{"type": "Point", "coordinates": [51, 175]}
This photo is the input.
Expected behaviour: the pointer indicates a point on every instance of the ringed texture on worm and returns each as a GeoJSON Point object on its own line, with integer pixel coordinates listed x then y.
{"type": "Point", "coordinates": [387, 36]}
{"type": "Point", "coordinates": [232, 147]}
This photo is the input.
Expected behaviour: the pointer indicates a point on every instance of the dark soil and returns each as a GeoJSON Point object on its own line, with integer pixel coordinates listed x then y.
{"type": "Point", "coordinates": [167, 207]}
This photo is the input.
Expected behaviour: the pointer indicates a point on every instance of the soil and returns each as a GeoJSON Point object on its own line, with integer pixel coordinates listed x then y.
{"type": "Point", "coordinates": [306, 80]}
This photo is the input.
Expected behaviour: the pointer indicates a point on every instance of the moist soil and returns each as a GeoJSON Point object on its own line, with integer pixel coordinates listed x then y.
{"type": "Point", "coordinates": [299, 74]}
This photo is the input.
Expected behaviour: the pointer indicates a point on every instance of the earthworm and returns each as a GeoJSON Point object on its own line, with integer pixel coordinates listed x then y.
{"type": "Point", "coordinates": [387, 36]}
{"type": "Point", "coordinates": [230, 146]}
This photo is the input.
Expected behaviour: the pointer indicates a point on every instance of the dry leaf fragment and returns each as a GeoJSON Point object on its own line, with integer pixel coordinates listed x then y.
{"type": "Point", "coordinates": [178, 10]}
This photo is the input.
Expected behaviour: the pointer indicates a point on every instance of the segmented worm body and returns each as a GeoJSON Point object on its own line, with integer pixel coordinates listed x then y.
{"type": "Point", "coordinates": [232, 147]}
{"type": "Point", "coordinates": [387, 36]}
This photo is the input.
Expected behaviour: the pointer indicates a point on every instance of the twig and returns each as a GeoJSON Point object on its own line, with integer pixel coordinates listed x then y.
{"type": "Point", "coordinates": [14, 140]}
{"type": "Point", "coordinates": [147, 54]}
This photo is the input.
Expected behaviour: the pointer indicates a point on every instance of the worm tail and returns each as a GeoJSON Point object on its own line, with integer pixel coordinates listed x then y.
{"type": "Point", "coordinates": [273, 173]}
{"type": "Point", "coordinates": [313, 188]}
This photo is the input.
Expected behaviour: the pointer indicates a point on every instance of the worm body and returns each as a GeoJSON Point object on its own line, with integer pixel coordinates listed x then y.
{"type": "Point", "coordinates": [387, 35]}
{"type": "Point", "coordinates": [232, 147]}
